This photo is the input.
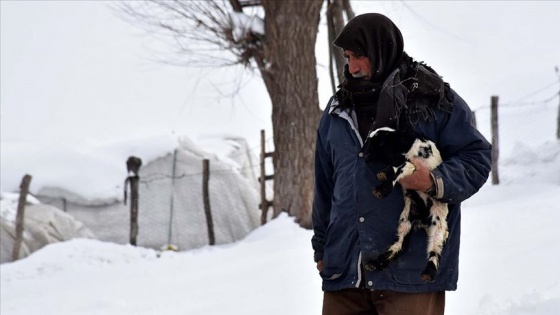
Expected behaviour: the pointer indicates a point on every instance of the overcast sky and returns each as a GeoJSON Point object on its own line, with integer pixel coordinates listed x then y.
{"type": "Point", "coordinates": [72, 71]}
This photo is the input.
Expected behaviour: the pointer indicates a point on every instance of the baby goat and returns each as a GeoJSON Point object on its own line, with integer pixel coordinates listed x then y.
{"type": "Point", "coordinates": [396, 150]}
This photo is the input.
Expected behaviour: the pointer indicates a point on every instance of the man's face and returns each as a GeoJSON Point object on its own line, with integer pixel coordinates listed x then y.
{"type": "Point", "coordinates": [358, 66]}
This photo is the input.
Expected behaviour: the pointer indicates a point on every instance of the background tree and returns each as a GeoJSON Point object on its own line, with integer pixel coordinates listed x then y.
{"type": "Point", "coordinates": [335, 23]}
{"type": "Point", "coordinates": [275, 38]}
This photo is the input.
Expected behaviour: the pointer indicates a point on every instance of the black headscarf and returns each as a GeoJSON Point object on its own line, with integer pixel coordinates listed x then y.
{"type": "Point", "coordinates": [375, 36]}
{"type": "Point", "coordinates": [391, 98]}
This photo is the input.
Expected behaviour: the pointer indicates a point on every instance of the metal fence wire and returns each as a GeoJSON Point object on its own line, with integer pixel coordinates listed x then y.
{"type": "Point", "coordinates": [171, 210]}
{"type": "Point", "coordinates": [527, 138]}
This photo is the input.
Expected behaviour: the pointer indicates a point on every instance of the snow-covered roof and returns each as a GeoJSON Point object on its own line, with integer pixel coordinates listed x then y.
{"type": "Point", "coordinates": [96, 171]}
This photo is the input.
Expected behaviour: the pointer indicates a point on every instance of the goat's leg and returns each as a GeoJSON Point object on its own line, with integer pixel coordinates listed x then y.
{"type": "Point", "coordinates": [386, 177]}
{"type": "Point", "coordinates": [402, 231]}
{"type": "Point", "coordinates": [389, 177]}
{"type": "Point", "coordinates": [437, 235]}
{"type": "Point", "coordinates": [386, 174]}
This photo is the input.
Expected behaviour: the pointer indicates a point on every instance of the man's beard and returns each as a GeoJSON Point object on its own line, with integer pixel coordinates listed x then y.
{"type": "Point", "coordinates": [359, 75]}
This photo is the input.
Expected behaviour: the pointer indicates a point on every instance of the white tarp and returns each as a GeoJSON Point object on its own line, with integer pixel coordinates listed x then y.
{"type": "Point", "coordinates": [43, 225]}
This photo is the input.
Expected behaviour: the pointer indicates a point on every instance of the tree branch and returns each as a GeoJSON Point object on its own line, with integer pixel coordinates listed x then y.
{"type": "Point", "coordinates": [201, 31]}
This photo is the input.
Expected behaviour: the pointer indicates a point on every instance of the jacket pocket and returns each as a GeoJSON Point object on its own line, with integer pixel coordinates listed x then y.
{"type": "Point", "coordinates": [332, 267]}
{"type": "Point", "coordinates": [333, 259]}
{"type": "Point", "coordinates": [408, 277]}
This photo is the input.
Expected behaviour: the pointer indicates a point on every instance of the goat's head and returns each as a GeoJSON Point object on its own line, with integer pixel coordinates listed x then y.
{"type": "Point", "coordinates": [425, 150]}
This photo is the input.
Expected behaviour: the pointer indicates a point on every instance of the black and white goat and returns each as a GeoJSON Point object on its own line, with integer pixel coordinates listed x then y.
{"type": "Point", "coordinates": [396, 150]}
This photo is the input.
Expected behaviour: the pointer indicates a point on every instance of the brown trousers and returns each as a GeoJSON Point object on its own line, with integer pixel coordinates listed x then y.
{"type": "Point", "coordinates": [379, 302]}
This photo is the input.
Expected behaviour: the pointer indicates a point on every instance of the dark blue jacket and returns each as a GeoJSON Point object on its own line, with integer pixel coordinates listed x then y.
{"type": "Point", "coordinates": [351, 224]}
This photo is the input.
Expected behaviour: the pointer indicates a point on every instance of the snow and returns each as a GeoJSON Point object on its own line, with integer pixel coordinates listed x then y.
{"type": "Point", "coordinates": [43, 225]}
{"type": "Point", "coordinates": [508, 262]}
{"type": "Point", "coordinates": [76, 105]}
{"type": "Point", "coordinates": [509, 256]}
{"type": "Point", "coordinates": [9, 202]}
{"type": "Point", "coordinates": [75, 166]}
{"type": "Point", "coordinates": [244, 25]}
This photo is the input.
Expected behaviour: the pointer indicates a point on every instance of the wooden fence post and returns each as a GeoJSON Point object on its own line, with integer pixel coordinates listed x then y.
{"type": "Point", "coordinates": [206, 199]}
{"type": "Point", "coordinates": [24, 189]}
{"type": "Point", "coordinates": [495, 140]}
{"type": "Point", "coordinates": [172, 199]}
{"type": "Point", "coordinates": [133, 166]}
{"type": "Point", "coordinates": [473, 120]}
{"type": "Point", "coordinates": [265, 204]}
{"type": "Point", "coordinates": [134, 209]}
{"type": "Point", "coordinates": [558, 119]}
{"type": "Point", "coordinates": [558, 115]}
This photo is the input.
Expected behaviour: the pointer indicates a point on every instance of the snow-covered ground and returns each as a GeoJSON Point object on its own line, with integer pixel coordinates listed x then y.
{"type": "Point", "coordinates": [510, 249]}
{"type": "Point", "coordinates": [509, 253]}
{"type": "Point", "coordinates": [509, 265]}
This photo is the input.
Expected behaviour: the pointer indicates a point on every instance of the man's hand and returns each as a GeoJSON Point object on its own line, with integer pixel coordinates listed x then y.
{"type": "Point", "coordinates": [320, 266]}
{"type": "Point", "coordinates": [419, 180]}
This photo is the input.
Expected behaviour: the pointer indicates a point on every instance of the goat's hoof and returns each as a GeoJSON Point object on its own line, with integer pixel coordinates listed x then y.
{"type": "Point", "coordinates": [381, 176]}
{"type": "Point", "coordinates": [379, 263]}
{"type": "Point", "coordinates": [370, 267]}
{"type": "Point", "coordinates": [377, 193]}
{"type": "Point", "coordinates": [427, 278]}
{"type": "Point", "coordinates": [429, 274]}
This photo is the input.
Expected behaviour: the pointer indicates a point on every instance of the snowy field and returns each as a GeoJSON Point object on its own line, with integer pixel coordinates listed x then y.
{"type": "Point", "coordinates": [79, 122]}
{"type": "Point", "coordinates": [509, 265]}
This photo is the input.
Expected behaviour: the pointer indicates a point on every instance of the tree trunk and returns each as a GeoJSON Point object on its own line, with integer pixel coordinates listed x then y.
{"type": "Point", "coordinates": [291, 80]}
{"type": "Point", "coordinates": [348, 9]}
{"type": "Point", "coordinates": [285, 56]}
{"type": "Point", "coordinates": [335, 23]}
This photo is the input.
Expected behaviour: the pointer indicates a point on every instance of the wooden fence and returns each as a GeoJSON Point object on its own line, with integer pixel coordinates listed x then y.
{"type": "Point", "coordinates": [133, 180]}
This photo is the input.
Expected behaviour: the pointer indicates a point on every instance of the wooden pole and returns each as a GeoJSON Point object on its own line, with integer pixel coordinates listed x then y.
{"type": "Point", "coordinates": [172, 198]}
{"type": "Point", "coordinates": [24, 189]}
{"type": "Point", "coordinates": [206, 199]}
{"type": "Point", "coordinates": [558, 116]}
{"type": "Point", "coordinates": [133, 165]}
{"type": "Point", "coordinates": [558, 119]}
{"type": "Point", "coordinates": [134, 209]}
{"type": "Point", "coordinates": [495, 140]}
{"type": "Point", "coordinates": [265, 204]}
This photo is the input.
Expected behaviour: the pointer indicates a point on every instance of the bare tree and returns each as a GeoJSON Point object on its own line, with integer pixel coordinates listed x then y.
{"type": "Point", "coordinates": [277, 39]}
{"type": "Point", "coordinates": [335, 23]}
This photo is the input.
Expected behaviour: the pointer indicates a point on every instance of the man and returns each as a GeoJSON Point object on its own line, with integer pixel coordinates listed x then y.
{"type": "Point", "coordinates": [385, 87]}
